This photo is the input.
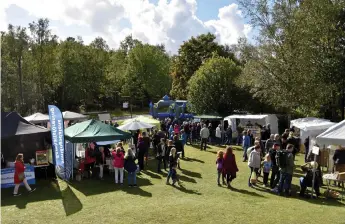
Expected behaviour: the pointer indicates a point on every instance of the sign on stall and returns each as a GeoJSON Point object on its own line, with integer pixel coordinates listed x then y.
{"type": "Point", "coordinates": [7, 176]}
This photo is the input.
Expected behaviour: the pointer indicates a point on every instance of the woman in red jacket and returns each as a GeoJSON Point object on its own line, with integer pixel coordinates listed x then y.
{"type": "Point", "coordinates": [19, 176]}
{"type": "Point", "coordinates": [90, 159]}
{"type": "Point", "coordinates": [229, 166]}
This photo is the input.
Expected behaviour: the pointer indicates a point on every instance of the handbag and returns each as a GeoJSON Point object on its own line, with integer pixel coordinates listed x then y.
{"type": "Point", "coordinates": [21, 176]}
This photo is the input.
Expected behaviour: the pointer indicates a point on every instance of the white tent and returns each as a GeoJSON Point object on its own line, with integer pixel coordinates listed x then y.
{"type": "Point", "coordinates": [311, 126]}
{"type": "Point", "coordinates": [134, 125]}
{"type": "Point", "coordinates": [37, 118]}
{"type": "Point", "coordinates": [335, 135]}
{"type": "Point", "coordinates": [262, 119]}
{"type": "Point", "coordinates": [68, 115]}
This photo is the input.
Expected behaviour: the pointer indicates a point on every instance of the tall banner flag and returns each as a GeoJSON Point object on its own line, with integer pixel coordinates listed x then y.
{"type": "Point", "coordinates": [58, 140]}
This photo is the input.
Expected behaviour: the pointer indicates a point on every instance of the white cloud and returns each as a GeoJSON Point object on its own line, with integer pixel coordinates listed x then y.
{"type": "Point", "coordinates": [168, 22]}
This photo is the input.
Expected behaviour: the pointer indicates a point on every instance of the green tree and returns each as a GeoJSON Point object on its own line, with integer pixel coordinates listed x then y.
{"type": "Point", "coordinates": [14, 47]}
{"type": "Point", "coordinates": [147, 72]}
{"type": "Point", "coordinates": [213, 87]}
{"type": "Point", "coordinates": [191, 55]}
{"type": "Point", "coordinates": [296, 55]}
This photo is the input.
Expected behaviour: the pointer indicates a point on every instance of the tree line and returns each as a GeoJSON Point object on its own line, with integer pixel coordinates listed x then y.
{"type": "Point", "coordinates": [295, 65]}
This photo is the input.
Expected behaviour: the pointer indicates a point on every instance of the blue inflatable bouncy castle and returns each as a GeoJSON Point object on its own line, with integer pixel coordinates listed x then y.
{"type": "Point", "coordinates": [176, 109]}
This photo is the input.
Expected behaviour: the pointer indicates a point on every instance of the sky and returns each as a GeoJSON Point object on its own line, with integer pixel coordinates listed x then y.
{"type": "Point", "coordinates": [168, 22]}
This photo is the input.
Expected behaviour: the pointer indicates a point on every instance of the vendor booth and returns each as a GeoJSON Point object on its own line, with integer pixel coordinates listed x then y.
{"type": "Point", "coordinates": [310, 127]}
{"type": "Point", "coordinates": [334, 139]}
{"type": "Point", "coordinates": [261, 119]}
{"type": "Point", "coordinates": [91, 131]}
{"type": "Point", "coordinates": [20, 136]}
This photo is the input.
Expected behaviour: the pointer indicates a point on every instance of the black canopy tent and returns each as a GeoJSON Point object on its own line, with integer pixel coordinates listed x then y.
{"type": "Point", "coordinates": [20, 136]}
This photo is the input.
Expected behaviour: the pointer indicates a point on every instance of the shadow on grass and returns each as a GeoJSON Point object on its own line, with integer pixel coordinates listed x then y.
{"type": "Point", "coordinates": [46, 190]}
{"type": "Point", "coordinates": [198, 146]}
{"type": "Point", "coordinates": [243, 191]}
{"type": "Point", "coordinates": [187, 179]}
{"type": "Point", "coordinates": [185, 190]}
{"type": "Point", "coordinates": [192, 160]}
{"type": "Point", "coordinates": [93, 187]}
{"type": "Point", "coordinates": [70, 202]}
{"type": "Point", "coordinates": [191, 173]}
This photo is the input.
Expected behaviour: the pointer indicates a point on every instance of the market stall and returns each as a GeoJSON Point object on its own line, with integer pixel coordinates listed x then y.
{"type": "Point", "coordinates": [334, 139]}
{"type": "Point", "coordinates": [91, 131]}
{"type": "Point", "coordinates": [310, 127]}
{"type": "Point", "coordinates": [261, 119]}
{"type": "Point", "coordinates": [20, 136]}
{"type": "Point", "coordinates": [72, 116]}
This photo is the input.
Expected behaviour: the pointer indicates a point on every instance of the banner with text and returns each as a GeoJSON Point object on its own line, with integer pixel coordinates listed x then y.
{"type": "Point", "coordinates": [58, 140]}
{"type": "Point", "coordinates": [7, 176]}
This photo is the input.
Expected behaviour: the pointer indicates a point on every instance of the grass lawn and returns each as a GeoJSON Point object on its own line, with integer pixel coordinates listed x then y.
{"type": "Point", "coordinates": [200, 200]}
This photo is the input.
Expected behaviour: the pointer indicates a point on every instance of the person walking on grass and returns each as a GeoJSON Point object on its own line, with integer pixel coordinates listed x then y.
{"type": "Point", "coordinates": [131, 168]}
{"type": "Point", "coordinates": [254, 163]}
{"type": "Point", "coordinates": [229, 166]}
{"type": "Point", "coordinates": [118, 162]}
{"type": "Point", "coordinates": [19, 175]}
{"type": "Point", "coordinates": [204, 135]}
{"type": "Point", "coordinates": [219, 163]}
{"type": "Point", "coordinates": [245, 145]}
{"type": "Point", "coordinates": [172, 166]}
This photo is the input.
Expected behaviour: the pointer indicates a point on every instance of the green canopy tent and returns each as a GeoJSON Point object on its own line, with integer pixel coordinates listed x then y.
{"type": "Point", "coordinates": [94, 131]}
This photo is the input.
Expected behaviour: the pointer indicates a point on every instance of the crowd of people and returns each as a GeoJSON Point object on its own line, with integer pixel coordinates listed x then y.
{"type": "Point", "coordinates": [271, 157]}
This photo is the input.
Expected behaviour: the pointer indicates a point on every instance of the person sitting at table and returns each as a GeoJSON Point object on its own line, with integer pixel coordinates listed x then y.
{"type": "Point", "coordinates": [307, 180]}
{"type": "Point", "coordinates": [90, 159]}
{"type": "Point", "coordinates": [19, 175]}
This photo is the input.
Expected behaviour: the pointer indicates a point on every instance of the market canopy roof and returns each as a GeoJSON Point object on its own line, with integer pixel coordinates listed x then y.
{"type": "Point", "coordinates": [311, 123]}
{"type": "Point", "coordinates": [247, 116]}
{"type": "Point", "coordinates": [335, 135]}
{"type": "Point", "coordinates": [37, 118]}
{"type": "Point", "coordinates": [93, 131]}
{"type": "Point", "coordinates": [12, 124]}
{"type": "Point", "coordinates": [135, 125]}
{"type": "Point", "coordinates": [145, 119]}
{"type": "Point", "coordinates": [68, 115]}
{"type": "Point", "coordinates": [208, 117]}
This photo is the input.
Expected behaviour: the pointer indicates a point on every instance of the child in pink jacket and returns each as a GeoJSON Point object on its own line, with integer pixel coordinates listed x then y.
{"type": "Point", "coordinates": [118, 163]}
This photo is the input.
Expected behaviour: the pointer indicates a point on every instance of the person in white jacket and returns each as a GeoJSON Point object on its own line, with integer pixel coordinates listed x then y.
{"type": "Point", "coordinates": [219, 135]}
{"type": "Point", "coordinates": [254, 162]}
{"type": "Point", "coordinates": [204, 135]}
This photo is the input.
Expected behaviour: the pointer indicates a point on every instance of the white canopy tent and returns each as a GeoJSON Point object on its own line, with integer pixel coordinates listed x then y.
{"type": "Point", "coordinates": [335, 135]}
{"type": "Point", "coordinates": [37, 118]}
{"type": "Point", "coordinates": [311, 126]}
{"type": "Point", "coordinates": [68, 115]}
{"type": "Point", "coordinates": [262, 119]}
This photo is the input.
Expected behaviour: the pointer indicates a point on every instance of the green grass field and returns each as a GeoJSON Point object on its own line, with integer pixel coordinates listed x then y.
{"type": "Point", "coordinates": [199, 200]}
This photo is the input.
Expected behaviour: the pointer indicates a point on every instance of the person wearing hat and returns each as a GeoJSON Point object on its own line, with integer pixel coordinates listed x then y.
{"type": "Point", "coordinates": [307, 180]}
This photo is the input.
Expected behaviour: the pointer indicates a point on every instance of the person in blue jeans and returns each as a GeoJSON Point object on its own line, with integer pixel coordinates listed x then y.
{"type": "Point", "coordinates": [245, 145]}
{"type": "Point", "coordinates": [286, 172]}
{"type": "Point", "coordinates": [172, 166]}
{"type": "Point", "coordinates": [131, 167]}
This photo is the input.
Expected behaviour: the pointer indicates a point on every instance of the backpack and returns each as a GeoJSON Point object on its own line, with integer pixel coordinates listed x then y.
{"type": "Point", "coordinates": [281, 158]}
